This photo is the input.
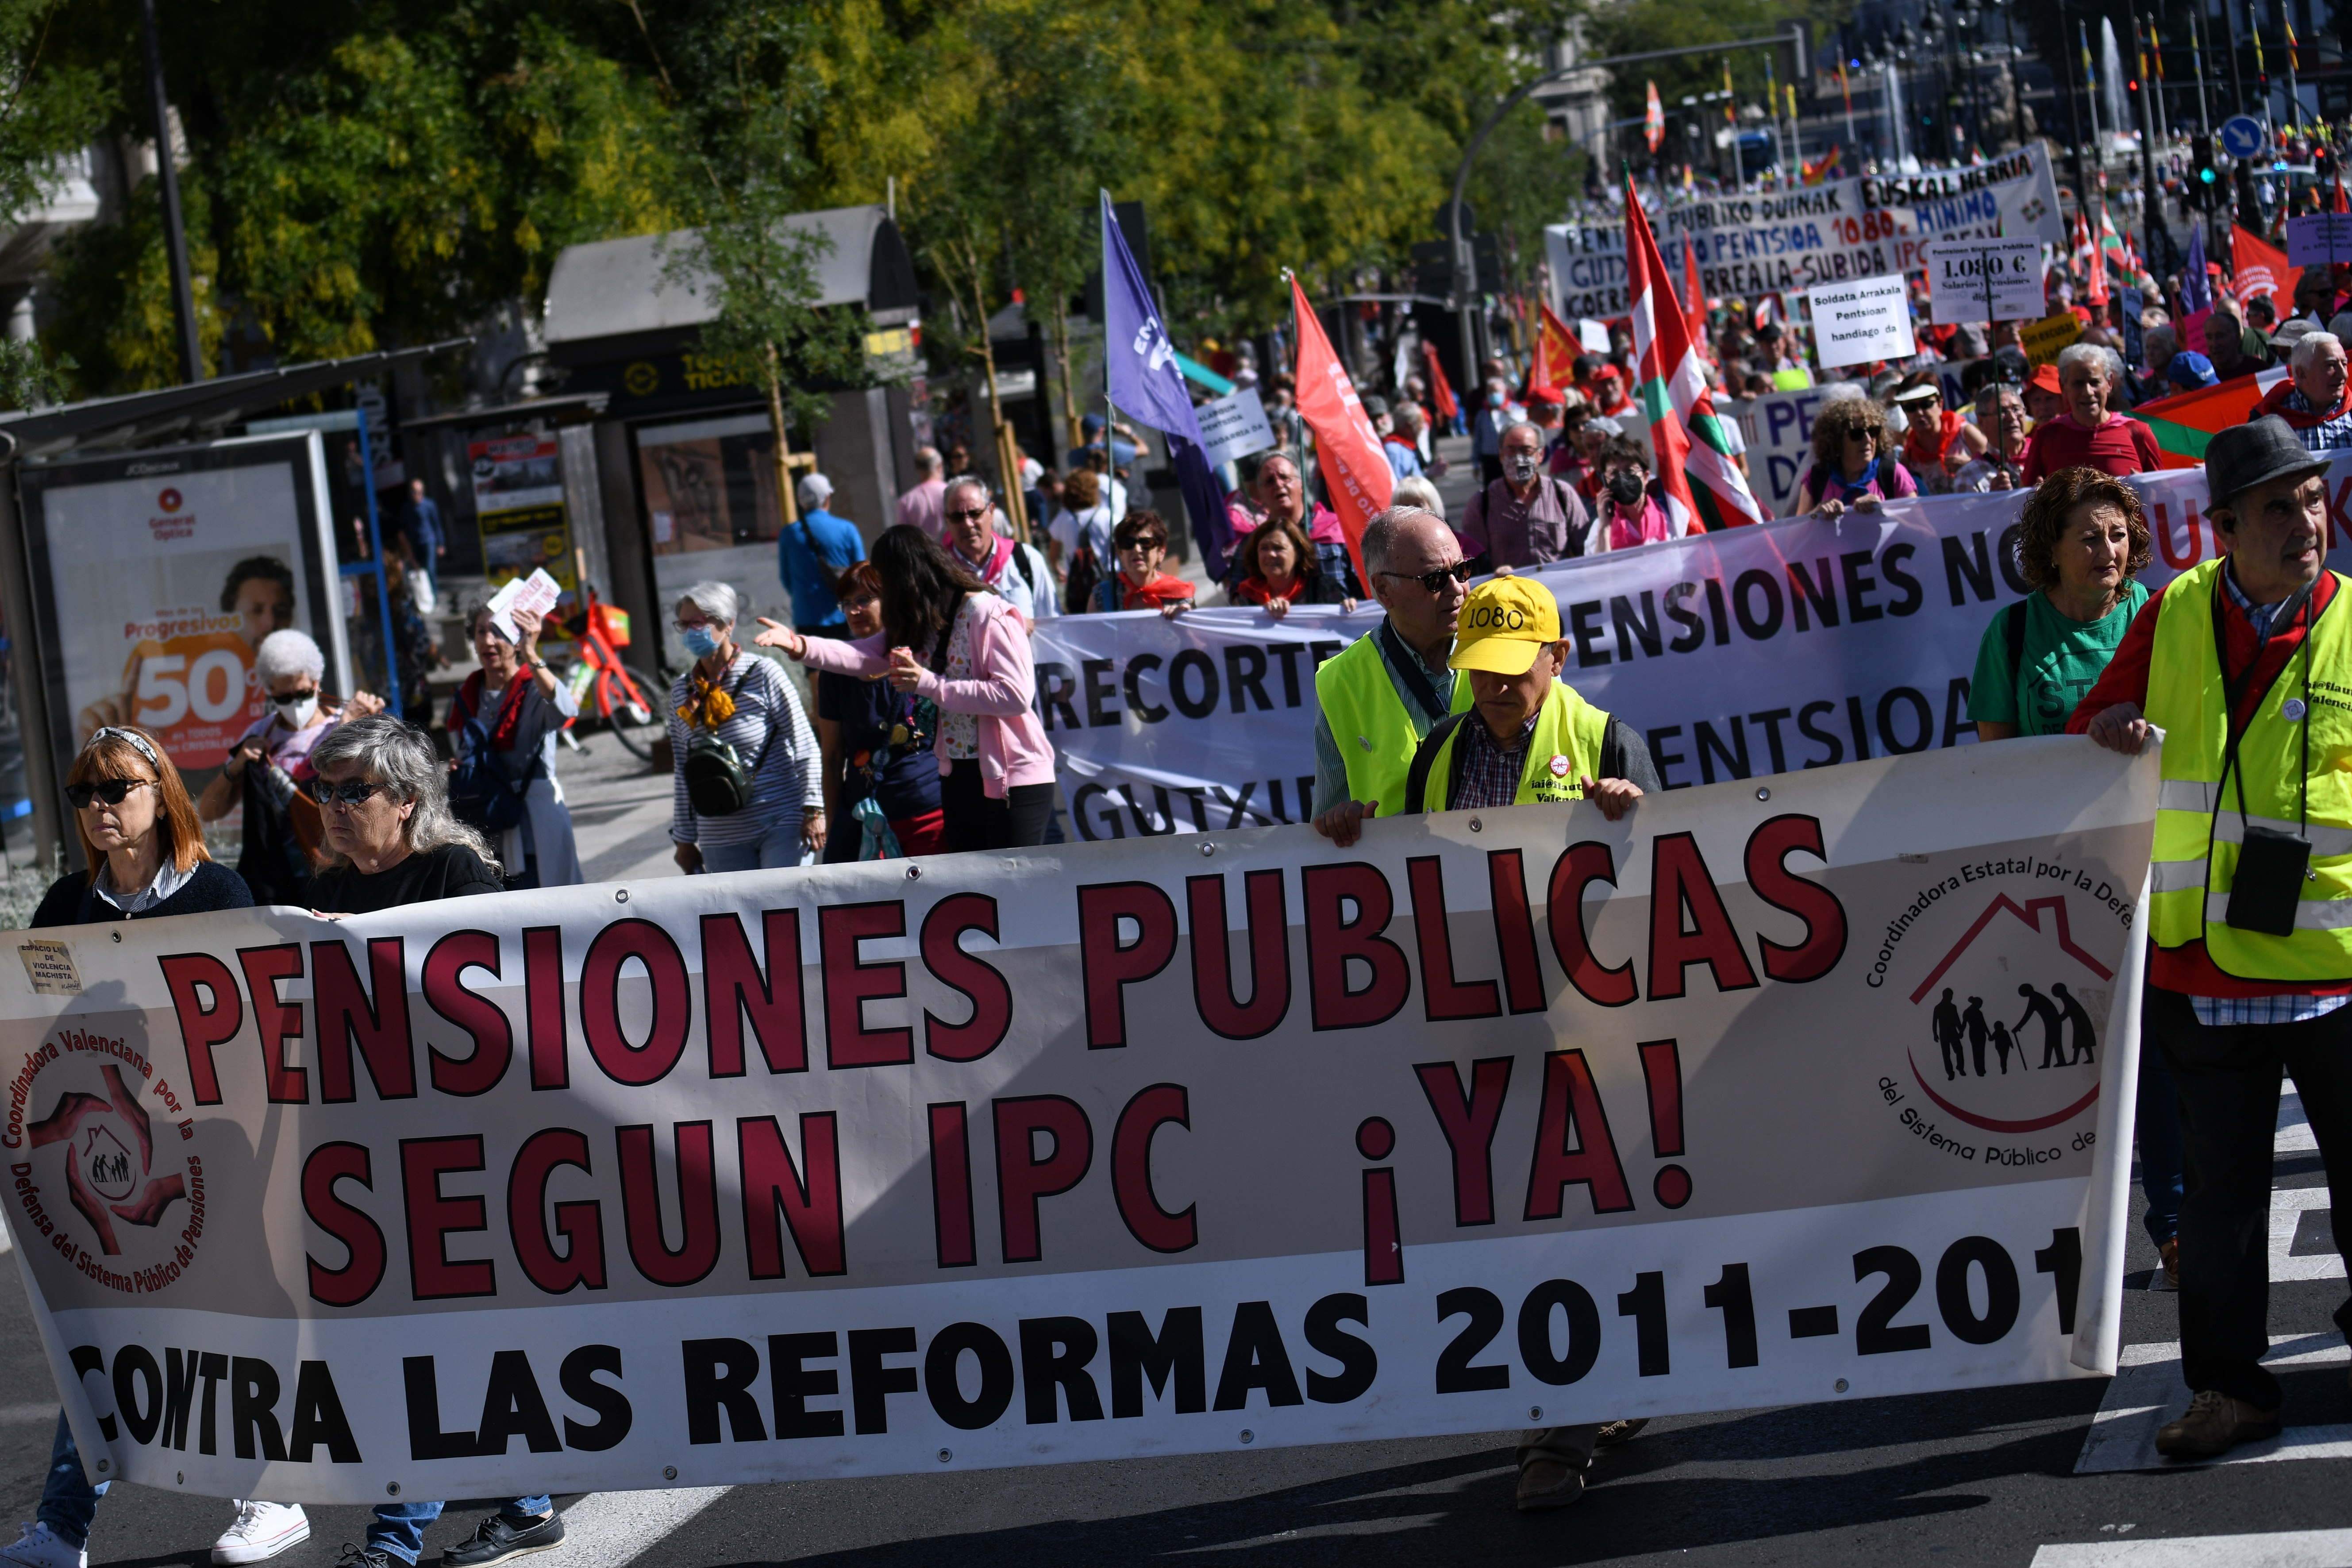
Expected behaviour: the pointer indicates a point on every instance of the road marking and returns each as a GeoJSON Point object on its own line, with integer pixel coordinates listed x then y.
{"type": "Point", "coordinates": [2294, 1135]}
{"type": "Point", "coordinates": [2147, 1392]}
{"type": "Point", "coordinates": [2288, 1205]}
{"type": "Point", "coordinates": [612, 1530]}
{"type": "Point", "coordinates": [2286, 1548]}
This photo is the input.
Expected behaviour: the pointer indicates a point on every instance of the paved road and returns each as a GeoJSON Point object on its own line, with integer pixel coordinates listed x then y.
{"type": "Point", "coordinates": [2044, 1476]}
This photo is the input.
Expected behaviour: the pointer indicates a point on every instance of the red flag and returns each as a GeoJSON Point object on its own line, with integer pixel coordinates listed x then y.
{"type": "Point", "coordinates": [1440, 391]}
{"type": "Point", "coordinates": [1356, 473]}
{"type": "Point", "coordinates": [2259, 268]}
{"type": "Point", "coordinates": [1556, 350]}
{"type": "Point", "coordinates": [1695, 299]}
{"type": "Point", "coordinates": [2096, 289]}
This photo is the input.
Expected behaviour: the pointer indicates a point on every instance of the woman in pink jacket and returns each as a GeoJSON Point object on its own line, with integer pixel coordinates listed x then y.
{"type": "Point", "coordinates": [947, 638]}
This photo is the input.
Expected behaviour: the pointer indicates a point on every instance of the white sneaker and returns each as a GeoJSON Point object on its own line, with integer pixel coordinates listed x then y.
{"type": "Point", "coordinates": [262, 1530]}
{"type": "Point", "coordinates": [41, 1547]}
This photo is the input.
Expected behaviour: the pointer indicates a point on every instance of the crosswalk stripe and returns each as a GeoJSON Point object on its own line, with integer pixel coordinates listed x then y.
{"type": "Point", "coordinates": [2147, 1392]}
{"type": "Point", "coordinates": [612, 1530]}
{"type": "Point", "coordinates": [2285, 1549]}
{"type": "Point", "coordinates": [2293, 1127]}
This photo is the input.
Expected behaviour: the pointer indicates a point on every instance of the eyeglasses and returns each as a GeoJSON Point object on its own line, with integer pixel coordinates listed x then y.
{"type": "Point", "coordinates": [714, 628]}
{"type": "Point", "coordinates": [1435, 581]}
{"type": "Point", "coordinates": [111, 791]}
{"type": "Point", "coordinates": [356, 792]}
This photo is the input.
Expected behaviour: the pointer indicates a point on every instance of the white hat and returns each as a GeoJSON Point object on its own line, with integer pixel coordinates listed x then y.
{"type": "Point", "coordinates": [1605, 424]}
{"type": "Point", "coordinates": [815, 490]}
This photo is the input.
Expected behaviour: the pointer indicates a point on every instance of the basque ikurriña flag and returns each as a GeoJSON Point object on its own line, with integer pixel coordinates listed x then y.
{"type": "Point", "coordinates": [1685, 430]}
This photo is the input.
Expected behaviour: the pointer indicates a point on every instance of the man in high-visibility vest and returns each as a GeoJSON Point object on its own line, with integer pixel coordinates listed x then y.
{"type": "Point", "coordinates": [1380, 696]}
{"type": "Point", "coordinates": [2245, 665]}
{"type": "Point", "coordinates": [1527, 736]}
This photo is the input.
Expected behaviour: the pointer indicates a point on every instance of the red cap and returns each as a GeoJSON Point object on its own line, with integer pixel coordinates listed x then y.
{"type": "Point", "coordinates": [1545, 392]}
{"type": "Point", "coordinates": [2045, 379]}
{"type": "Point", "coordinates": [1606, 372]}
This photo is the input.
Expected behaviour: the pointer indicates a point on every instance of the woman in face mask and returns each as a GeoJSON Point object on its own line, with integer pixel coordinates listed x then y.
{"type": "Point", "coordinates": [1630, 515]}
{"type": "Point", "coordinates": [265, 770]}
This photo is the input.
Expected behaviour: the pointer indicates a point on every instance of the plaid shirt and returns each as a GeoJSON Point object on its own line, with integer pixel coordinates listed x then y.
{"type": "Point", "coordinates": [1486, 772]}
{"type": "Point", "coordinates": [2325, 435]}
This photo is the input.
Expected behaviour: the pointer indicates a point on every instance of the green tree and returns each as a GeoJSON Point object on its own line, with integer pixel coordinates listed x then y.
{"type": "Point", "coordinates": [383, 174]}
{"type": "Point", "coordinates": [744, 99]}
{"type": "Point", "coordinates": [49, 110]}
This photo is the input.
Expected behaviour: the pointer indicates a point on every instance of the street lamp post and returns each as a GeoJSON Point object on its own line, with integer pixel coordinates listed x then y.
{"type": "Point", "coordinates": [175, 235]}
{"type": "Point", "coordinates": [1466, 272]}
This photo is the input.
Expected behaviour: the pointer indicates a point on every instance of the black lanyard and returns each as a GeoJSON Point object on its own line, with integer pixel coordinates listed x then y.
{"type": "Point", "coordinates": [1408, 670]}
{"type": "Point", "coordinates": [2234, 691]}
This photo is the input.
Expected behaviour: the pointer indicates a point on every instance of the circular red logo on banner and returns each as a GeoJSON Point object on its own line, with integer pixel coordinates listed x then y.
{"type": "Point", "coordinates": [169, 500]}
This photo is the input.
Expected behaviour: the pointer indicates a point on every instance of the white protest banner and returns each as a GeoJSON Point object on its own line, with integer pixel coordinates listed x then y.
{"type": "Point", "coordinates": [1793, 645]}
{"type": "Point", "coordinates": [1856, 322]}
{"type": "Point", "coordinates": [2319, 239]}
{"type": "Point", "coordinates": [1986, 279]}
{"type": "Point", "coordinates": [1235, 425]}
{"type": "Point", "coordinates": [1786, 241]}
{"type": "Point", "coordinates": [1202, 723]}
{"type": "Point", "coordinates": [804, 1173]}
{"type": "Point", "coordinates": [1593, 335]}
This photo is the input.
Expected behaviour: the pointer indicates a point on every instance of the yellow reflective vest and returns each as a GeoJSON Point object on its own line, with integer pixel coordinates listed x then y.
{"type": "Point", "coordinates": [1375, 730]}
{"type": "Point", "coordinates": [2197, 826]}
{"type": "Point", "coordinates": [1563, 752]}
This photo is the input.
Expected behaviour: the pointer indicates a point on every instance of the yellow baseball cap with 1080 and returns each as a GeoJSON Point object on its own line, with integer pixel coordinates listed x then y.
{"type": "Point", "coordinates": [1505, 624]}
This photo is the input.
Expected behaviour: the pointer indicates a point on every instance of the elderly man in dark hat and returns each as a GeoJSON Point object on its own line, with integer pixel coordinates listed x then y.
{"type": "Point", "coordinates": [2243, 663]}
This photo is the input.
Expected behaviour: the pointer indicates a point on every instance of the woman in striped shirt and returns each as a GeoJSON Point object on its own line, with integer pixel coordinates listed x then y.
{"type": "Point", "coordinates": [749, 703]}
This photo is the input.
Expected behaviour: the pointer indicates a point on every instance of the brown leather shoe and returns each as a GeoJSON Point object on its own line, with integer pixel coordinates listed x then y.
{"type": "Point", "coordinates": [1547, 1483]}
{"type": "Point", "coordinates": [1617, 1434]}
{"type": "Point", "coordinates": [2169, 1254]}
{"type": "Point", "coordinates": [2213, 1425]}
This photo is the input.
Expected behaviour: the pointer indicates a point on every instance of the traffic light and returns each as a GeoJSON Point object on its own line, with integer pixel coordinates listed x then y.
{"type": "Point", "coordinates": [2203, 186]}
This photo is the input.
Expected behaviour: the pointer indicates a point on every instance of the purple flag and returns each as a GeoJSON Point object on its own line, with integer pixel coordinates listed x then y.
{"type": "Point", "coordinates": [2196, 290]}
{"type": "Point", "coordinates": [1144, 380]}
{"type": "Point", "coordinates": [1146, 384]}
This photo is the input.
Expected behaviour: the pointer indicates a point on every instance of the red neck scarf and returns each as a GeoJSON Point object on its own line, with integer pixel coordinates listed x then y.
{"type": "Point", "coordinates": [509, 719]}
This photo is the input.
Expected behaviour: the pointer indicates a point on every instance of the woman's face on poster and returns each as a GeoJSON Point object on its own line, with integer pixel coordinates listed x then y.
{"type": "Point", "coordinates": [264, 606]}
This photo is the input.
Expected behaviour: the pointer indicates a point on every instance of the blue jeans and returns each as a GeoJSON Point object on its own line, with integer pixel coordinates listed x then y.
{"type": "Point", "coordinates": [780, 847]}
{"type": "Point", "coordinates": [2162, 1156]}
{"type": "Point", "coordinates": [399, 1526]}
{"type": "Point", "coordinates": [68, 1502]}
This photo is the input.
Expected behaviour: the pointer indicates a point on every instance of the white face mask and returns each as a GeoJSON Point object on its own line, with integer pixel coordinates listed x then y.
{"type": "Point", "coordinates": [299, 713]}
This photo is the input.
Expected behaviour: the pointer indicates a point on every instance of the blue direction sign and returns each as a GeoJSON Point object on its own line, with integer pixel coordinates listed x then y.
{"type": "Point", "coordinates": [2241, 136]}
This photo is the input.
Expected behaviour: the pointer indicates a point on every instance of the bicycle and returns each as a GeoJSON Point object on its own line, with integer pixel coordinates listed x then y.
{"type": "Point", "coordinates": [626, 701]}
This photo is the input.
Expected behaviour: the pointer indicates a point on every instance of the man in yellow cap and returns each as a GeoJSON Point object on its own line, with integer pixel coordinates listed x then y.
{"type": "Point", "coordinates": [1527, 736]}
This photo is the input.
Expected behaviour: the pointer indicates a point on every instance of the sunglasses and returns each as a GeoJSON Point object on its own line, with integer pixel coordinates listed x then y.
{"type": "Point", "coordinates": [296, 699]}
{"type": "Point", "coordinates": [1435, 581]}
{"type": "Point", "coordinates": [967, 516]}
{"type": "Point", "coordinates": [354, 792]}
{"type": "Point", "coordinates": [111, 791]}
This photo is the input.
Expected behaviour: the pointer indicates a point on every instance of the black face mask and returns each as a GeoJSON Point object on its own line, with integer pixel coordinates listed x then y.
{"type": "Point", "coordinates": [1625, 486]}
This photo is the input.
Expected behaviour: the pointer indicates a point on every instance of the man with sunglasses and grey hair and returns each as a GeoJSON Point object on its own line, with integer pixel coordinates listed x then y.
{"type": "Point", "coordinates": [1381, 695]}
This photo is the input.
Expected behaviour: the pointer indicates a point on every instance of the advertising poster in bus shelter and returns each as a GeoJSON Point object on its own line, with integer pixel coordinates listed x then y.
{"type": "Point", "coordinates": [156, 575]}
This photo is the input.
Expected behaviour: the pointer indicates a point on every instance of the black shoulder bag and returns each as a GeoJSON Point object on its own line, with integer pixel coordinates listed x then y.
{"type": "Point", "coordinates": [2273, 864]}
{"type": "Point", "coordinates": [717, 782]}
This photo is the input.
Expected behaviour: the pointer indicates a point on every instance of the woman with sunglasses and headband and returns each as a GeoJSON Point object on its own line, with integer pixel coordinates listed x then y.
{"type": "Point", "coordinates": [146, 857]}
{"type": "Point", "coordinates": [266, 768]}
{"type": "Point", "coordinates": [140, 839]}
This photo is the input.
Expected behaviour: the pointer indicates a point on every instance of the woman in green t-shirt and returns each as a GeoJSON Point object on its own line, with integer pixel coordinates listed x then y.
{"type": "Point", "coordinates": [2082, 538]}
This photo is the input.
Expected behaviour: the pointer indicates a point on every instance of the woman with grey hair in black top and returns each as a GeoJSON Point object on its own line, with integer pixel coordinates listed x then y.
{"type": "Point", "coordinates": [383, 794]}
